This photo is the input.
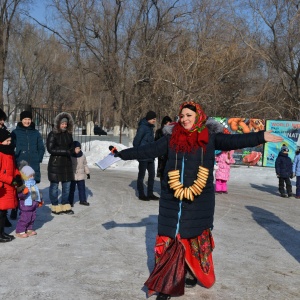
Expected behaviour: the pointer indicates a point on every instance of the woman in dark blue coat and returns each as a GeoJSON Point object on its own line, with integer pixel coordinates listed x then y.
{"type": "Point", "coordinates": [28, 144]}
{"type": "Point", "coordinates": [29, 147]}
{"type": "Point", "coordinates": [187, 202]}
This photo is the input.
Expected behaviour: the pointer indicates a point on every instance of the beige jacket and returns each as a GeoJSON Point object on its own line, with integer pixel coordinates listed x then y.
{"type": "Point", "coordinates": [80, 167]}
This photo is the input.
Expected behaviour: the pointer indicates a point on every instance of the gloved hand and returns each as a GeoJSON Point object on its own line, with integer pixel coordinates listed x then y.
{"type": "Point", "coordinates": [17, 181]}
{"type": "Point", "coordinates": [23, 189]}
{"type": "Point", "coordinates": [114, 151]}
{"type": "Point", "coordinates": [88, 176]}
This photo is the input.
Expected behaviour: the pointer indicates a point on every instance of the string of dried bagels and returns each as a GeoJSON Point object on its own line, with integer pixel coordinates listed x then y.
{"type": "Point", "coordinates": [190, 192]}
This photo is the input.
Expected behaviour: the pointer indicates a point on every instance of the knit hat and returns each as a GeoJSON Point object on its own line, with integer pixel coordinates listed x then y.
{"type": "Point", "coordinates": [3, 115]}
{"type": "Point", "coordinates": [27, 171]}
{"type": "Point", "coordinates": [25, 114]}
{"type": "Point", "coordinates": [165, 120]}
{"type": "Point", "coordinates": [76, 144]}
{"type": "Point", "coordinates": [150, 115]}
{"type": "Point", "coordinates": [4, 135]}
{"type": "Point", "coordinates": [284, 149]}
{"type": "Point", "coordinates": [64, 120]}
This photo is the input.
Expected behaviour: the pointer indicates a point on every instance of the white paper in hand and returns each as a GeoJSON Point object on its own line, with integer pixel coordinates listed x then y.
{"type": "Point", "coordinates": [107, 161]}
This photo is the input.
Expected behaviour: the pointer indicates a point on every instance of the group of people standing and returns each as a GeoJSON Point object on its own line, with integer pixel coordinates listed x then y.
{"type": "Point", "coordinates": [21, 153]}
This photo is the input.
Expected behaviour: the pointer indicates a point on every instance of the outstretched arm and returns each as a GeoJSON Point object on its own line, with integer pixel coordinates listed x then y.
{"type": "Point", "coordinates": [269, 137]}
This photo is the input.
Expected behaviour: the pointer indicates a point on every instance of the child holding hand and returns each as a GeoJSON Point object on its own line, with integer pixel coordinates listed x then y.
{"type": "Point", "coordinates": [29, 200]}
{"type": "Point", "coordinates": [80, 169]}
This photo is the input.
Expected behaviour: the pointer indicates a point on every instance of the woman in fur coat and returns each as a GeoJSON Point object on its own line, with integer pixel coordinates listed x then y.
{"type": "Point", "coordinates": [187, 202]}
{"type": "Point", "coordinates": [60, 146]}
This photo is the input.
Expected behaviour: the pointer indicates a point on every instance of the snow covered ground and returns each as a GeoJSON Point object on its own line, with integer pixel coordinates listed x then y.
{"type": "Point", "coordinates": [105, 251]}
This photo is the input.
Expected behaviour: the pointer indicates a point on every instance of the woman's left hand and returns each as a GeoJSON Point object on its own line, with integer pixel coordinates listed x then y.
{"type": "Point", "coordinates": [269, 137]}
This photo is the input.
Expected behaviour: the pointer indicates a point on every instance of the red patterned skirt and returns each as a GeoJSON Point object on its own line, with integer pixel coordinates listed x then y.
{"type": "Point", "coordinates": [196, 253]}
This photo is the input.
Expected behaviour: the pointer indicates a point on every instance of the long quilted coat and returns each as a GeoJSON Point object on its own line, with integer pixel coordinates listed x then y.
{"type": "Point", "coordinates": [29, 147]}
{"type": "Point", "coordinates": [190, 218]}
{"type": "Point", "coordinates": [8, 170]}
{"type": "Point", "coordinates": [60, 146]}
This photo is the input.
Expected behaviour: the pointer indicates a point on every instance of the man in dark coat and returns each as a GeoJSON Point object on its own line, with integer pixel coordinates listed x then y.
{"type": "Point", "coordinates": [145, 136]}
{"type": "Point", "coordinates": [60, 146]}
{"type": "Point", "coordinates": [284, 170]}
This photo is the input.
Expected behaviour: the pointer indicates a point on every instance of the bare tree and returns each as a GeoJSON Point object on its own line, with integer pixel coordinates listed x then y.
{"type": "Point", "coordinates": [8, 10]}
{"type": "Point", "coordinates": [275, 39]}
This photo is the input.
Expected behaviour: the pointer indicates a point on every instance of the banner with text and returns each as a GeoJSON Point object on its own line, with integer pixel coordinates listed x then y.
{"type": "Point", "coordinates": [289, 131]}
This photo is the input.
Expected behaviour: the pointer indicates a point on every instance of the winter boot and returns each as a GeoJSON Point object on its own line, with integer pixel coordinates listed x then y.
{"type": "Point", "coordinates": [4, 237]}
{"type": "Point", "coordinates": [56, 209]}
{"type": "Point", "coordinates": [190, 279]}
{"type": "Point", "coordinates": [144, 198]}
{"type": "Point", "coordinates": [153, 197]}
{"type": "Point", "coordinates": [162, 296]}
{"type": "Point", "coordinates": [66, 209]}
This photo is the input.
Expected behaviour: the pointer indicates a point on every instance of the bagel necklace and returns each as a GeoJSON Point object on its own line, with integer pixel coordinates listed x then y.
{"type": "Point", "coordinates": [189, 193]}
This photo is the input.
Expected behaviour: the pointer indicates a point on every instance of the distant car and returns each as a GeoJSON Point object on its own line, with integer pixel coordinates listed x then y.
{"type": "Point", "coordinates": [99, 131]}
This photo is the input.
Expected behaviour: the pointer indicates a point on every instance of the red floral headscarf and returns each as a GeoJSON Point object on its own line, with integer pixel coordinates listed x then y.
{"type": "Point", "coordinates": [183, 140]}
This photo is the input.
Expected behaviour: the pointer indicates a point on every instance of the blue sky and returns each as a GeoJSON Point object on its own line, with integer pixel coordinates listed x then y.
{"type": "Point", "coordinates": [38, 10]}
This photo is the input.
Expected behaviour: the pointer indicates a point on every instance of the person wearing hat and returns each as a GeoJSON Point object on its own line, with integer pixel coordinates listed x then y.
{"type": "Point", "coordinates": [3, 118]}
{"type": "Point", "coordinates": [60, 146]}
{"type": "Point", "coordinates": [29, 147]}
{"type": "Point", "coordinates": [80, 169]}
{"type": "Point", "coordinates": [159, 133]}
{"type": "Point", "coordinates": [29, 200]}
{"type": "Point", "coordinates": [145, 136]}
{"type": "Point", "coordinates": [284, 171]}
{"type": "Point", "coordinates": [9, 179]}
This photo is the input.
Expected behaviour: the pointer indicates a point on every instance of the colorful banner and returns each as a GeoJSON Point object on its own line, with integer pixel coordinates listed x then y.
{"type": "Point", "coordinates": [247, 156]}
{"type": "Point", "coordinates": [289, 131]}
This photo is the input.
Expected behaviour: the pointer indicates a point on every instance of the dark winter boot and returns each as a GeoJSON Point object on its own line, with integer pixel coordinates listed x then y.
{"type": "Point", "coordinates": [144, 198]}
{"type": "Point", "coordinates": [162, 296]}
{"type": "Point", "coordinates": [153, 197]}
{"type": "Point", "coordinates": [3, 237]}
{"type": "Point", "coordinates": [190, 279]}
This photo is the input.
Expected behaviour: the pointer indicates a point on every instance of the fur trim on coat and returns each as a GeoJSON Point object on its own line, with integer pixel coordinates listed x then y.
{"type": "Point", "coordinates": [58, 118]}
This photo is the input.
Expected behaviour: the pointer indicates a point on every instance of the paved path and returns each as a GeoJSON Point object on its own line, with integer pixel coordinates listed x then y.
{"type": "Point", "coordinates": [105, 251]}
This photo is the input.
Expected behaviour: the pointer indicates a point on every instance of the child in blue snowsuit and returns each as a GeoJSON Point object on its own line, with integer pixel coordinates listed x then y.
{"type": "Point", "coordinates": [284, 171]}
{"type": "Point", "coordinates": [28, 205]}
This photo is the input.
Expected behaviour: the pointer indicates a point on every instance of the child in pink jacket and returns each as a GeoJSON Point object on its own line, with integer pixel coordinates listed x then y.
{"type": "Point", "coordinates": [224, 160]}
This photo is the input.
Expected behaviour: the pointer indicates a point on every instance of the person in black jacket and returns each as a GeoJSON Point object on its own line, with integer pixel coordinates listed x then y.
{"type": "Point", "coordinates": [60, 146]}
{"type": "Point", "coordinates": [145, 136]}
{"type": "Point", "coordinates": [284, 171]}
{"type": "Point", "coordinates": [161, 159]}
{"type": "Point", "coordinates": [187, 201]}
